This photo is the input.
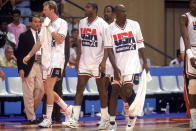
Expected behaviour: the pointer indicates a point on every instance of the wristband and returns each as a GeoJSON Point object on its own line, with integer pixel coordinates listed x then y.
{"type": "Point", "coordinates": [51, 29]}
{"type": "Point", "coordinates": [189, 53]}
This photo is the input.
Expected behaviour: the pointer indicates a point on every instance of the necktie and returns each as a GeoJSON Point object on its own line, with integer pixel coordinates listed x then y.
{"type": "Point", "coordinates": [36, 36]}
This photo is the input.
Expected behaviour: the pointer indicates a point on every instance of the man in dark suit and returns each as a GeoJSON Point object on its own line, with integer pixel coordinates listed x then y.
{"type": "Point", "coordinates": [31, 74]}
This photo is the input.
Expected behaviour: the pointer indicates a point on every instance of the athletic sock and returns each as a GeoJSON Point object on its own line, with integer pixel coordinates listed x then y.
{"type": "Point", "coordinates": [112, 118]}
{"type": "Point", "coordinates": [193, 115]}
{"type": "Point", "coordinates": [104, 114]}
{"type": "Point", "coordinates": [76, 111]}
{"type": "Point", "coordinates": [49, 110]}
{"type": "Point", "coordinates": [61, 103]}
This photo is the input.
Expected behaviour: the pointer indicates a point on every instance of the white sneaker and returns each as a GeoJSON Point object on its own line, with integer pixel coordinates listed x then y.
{"type": "Point", "coordinates": [193, 125]}
{"type": "Point", "coordinates": [68, 112]}
{"type": "Point", "coordinates": [131, 124]}
{"type": "Point", "coordinates": [112, 127]}
{"type": "Point", "coordinates": [46, 123]}
{"type": "Point", "coordinates": [71, 123]}
{"type": "Point", "coordinates": [104, 124]}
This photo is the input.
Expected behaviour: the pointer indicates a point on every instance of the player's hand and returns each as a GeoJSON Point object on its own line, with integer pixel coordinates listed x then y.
{"type": "Point", "coordinates": [26, 59]}
{"type": "Point", "coordinates": [2, 75]}
{"type": "Point", "coordinates": [21, 73]}
{"type": "Point", "coordinates": [102, 66]}
{"type": "Point", "coordinates": [193, 64]}
{"type": "Point", "coordinates": [117, 74]}
{"type": "Point", "coordinates": [145, 66]}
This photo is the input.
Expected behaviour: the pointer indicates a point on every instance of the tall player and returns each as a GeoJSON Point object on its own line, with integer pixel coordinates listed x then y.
{"type": "Point", "coordinates": [52, 41]}
{"type": "Point", "coordinates": [188, 31]}
{"type": "Point", "coordinates": [90, 55]}
{"type": "Point", "coordinates": [124, 43]}
{"type": "Point", "coordinates": [109, 17]}
{"type": "Point", "coordinates": [186, 80]}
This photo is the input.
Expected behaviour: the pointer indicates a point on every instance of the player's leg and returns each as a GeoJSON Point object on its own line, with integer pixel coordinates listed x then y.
{"type": "Point", "coordinates": [81, 85]}
{"type": "Point", "coordinates": [192, 100]}
{"type": "Point", "coordinates": [49, 86]}
{"type": "Point", "coordinates": [103, 96]}
{"type": "Point", "coordinates": [108, 89]}
{"type": "Point", "coordinates": [113, 104]}
{"type": "Point", "coordinates": [127, 95]}
{"type": "Point", "coordinates": [128, 102]}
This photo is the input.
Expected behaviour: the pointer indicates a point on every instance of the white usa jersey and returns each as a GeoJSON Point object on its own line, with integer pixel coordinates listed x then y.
{"type": "Point", "coordinates": [191, 28]}
{"type": "Point", "coordinates": [92, 43]}
{"type": "Point", "coordinates": [125, 43]}
{"type": "Point", "coordinates": [53, 55]}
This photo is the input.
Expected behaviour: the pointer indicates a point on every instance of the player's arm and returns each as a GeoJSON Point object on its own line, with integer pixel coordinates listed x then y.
{"type": "Point", "coordinates": [182, 55]}
{"type": "Point", "coordinates": [78, 55]}
{"type": "Point", "coordinates": [185, 36]}
{"type": "Point", "coordinates": [142, 54]}
{"type": "Point", "coordinates": [35, 48]}
{"type": "Point", "coordinates": [117, 73]}
{"type": "Point", "coordinates": [103, 62]}
{"type": "Point", "coordinates": [59, 38]}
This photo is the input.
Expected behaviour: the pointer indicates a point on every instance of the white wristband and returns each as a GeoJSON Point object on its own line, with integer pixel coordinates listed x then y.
{"type": "Point", "coordinates": [189, 53]}
{"type": "Point", "coordinates": [51, 29]}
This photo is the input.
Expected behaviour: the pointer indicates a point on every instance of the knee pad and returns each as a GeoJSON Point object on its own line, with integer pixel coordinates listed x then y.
{"type": "Point", "coordinates": [192, 86]}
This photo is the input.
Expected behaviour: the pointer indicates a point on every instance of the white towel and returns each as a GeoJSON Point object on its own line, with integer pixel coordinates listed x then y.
{"type": "Point", "coordinates": [136, 108]}
{"type": "Point", "coordinates": [46, 39]}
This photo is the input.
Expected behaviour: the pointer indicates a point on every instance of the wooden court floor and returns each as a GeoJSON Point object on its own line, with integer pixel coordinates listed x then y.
{"type": "Point", "coordinates": [155, 124]}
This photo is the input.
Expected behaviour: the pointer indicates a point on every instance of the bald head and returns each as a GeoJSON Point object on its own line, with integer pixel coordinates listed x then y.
{"type": "Point", "coordinates": [120, 12]}
{"type": "Point", "coordinates": [120, 7]}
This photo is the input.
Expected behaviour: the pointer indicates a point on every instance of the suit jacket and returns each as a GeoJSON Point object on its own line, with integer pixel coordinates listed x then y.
{"type": "Point", "coordinates": [26, 43]}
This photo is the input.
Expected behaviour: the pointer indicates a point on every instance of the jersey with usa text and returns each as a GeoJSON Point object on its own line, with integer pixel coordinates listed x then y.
{"type": "Point", "coordinates": [92, 43]}
{"type": "Point", "coordinates": [53, 52]}
{"type": "Point", "coordinates": [191, 28]}
{"type": "Point", "coordinates": [125, 43]}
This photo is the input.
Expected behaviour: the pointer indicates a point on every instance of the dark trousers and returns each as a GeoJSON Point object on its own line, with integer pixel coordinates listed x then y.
{"type": "Point", "coordinates": [56, 115]}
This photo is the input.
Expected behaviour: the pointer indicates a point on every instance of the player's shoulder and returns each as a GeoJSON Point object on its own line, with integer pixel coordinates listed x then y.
{"type": "Point", "coordinates": [133, 22]}
{"type": "Point", "coordinates": [62, 21]}
{"type": "Point", "coordinates": [185, 15]}
{"type": "Point", "coordinates": [83, 19]}
{"type": "Point", "coordinates": [102, 22]}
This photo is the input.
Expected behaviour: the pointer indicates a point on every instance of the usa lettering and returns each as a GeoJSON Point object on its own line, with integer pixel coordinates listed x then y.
{"type": "Point", "coordinates": [89, 37]}
{"type": "Point", "coordinates": [123, 38]}
{"type": "Point", "coordinates": [124, 42]}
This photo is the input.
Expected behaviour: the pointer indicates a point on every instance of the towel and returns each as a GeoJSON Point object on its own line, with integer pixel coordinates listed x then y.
{"type": "Point", "coordinates": [136, 108]}
{"type": "Point", "coordinates": [46, 39]}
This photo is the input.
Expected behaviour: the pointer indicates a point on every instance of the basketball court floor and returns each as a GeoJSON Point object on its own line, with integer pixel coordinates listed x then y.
{"type": "Point", "coordinates": [145, 124]}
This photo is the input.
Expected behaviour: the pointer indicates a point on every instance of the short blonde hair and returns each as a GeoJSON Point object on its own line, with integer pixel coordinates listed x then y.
{"type": "Point", "coordinates": [51, 4]}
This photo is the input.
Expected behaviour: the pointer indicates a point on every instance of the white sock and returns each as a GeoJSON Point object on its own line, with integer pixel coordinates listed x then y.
{"type": "Point", "coordinates": [49, 110]}
{"type": "Point", "coordinates": [76, 111]}
{"type": "Point", "coordinates": [112, 118]}
{"type": "Point", "coordinates": [61, 103]}
{"type": "Point", "coordinates": [104, 113]}
{"type": "Point", "coordinates": [193, 115]}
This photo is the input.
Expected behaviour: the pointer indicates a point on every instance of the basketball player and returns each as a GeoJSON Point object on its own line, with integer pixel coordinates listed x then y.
{"type": "Point", "coordinates": [53, 58]}
{"type": "Point", "coordinates": [188, 31]}
{"type": "Point", "coordinates": [90, 55]}
{"type": "Point", "coordinates": [109, 18]}
{"type": "Point", "coordinates": [124, 43]}
{"type": "Point", "coordinates": [186, 80]}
